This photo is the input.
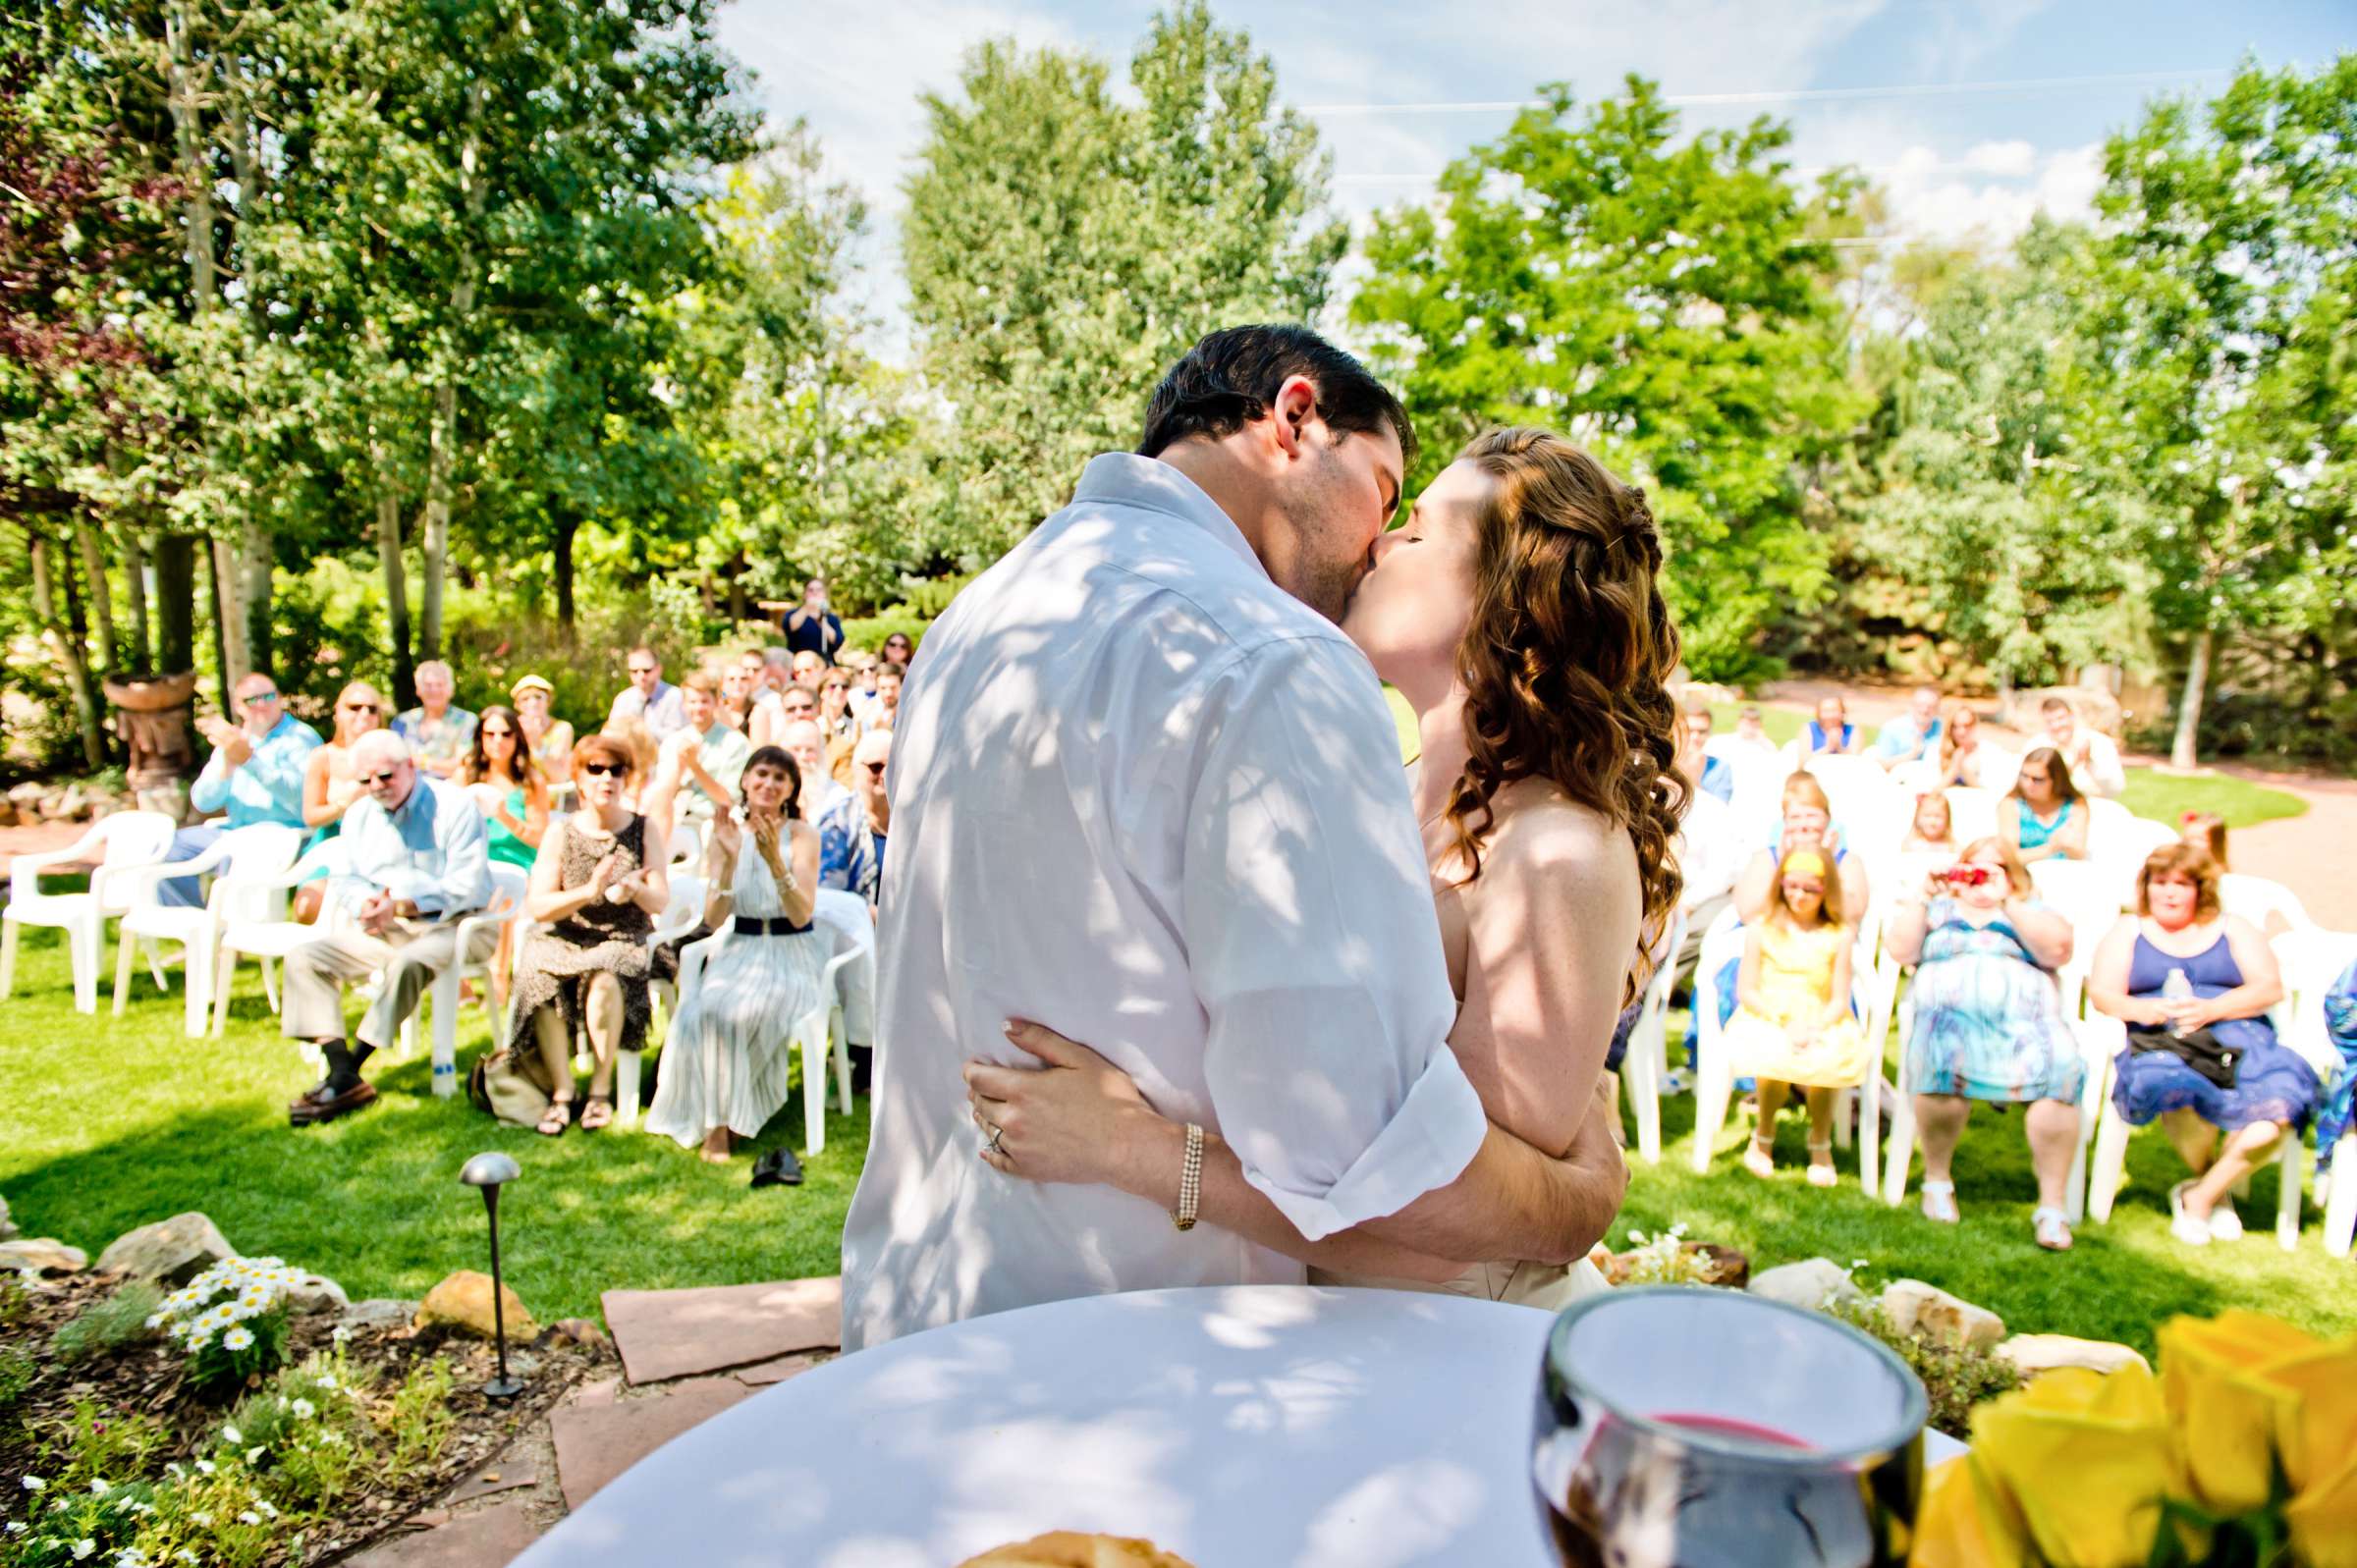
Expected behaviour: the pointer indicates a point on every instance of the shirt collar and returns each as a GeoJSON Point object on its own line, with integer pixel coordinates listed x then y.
{"type": "Point", "coordinates": [420, 788]}
{"type": "Point", "coordinates": [1126, 479]}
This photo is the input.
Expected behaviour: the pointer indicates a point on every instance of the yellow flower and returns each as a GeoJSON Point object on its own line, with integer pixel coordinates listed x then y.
{"type": "Point", "coordinates": [2215, 1376]}
{"type": "Point", "coordinates": [2085, 1458]}
{"type": "Point", "coordinates": [2323, 1520]}
{"type": "Point", "coordinates": [1966, 1521]}
{"type": "Point", "coordinates": [2316, 1416]}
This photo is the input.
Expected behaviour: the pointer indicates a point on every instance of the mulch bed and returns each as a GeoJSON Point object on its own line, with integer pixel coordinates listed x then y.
{"type": "Point", "coordinates": [147, 1379]}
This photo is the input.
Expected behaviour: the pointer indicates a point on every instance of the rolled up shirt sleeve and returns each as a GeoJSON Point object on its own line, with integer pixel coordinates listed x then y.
{"type": "Point", "coordinates": [210, 792]}
{"type": "Point", "coordinates": [1313, 946]}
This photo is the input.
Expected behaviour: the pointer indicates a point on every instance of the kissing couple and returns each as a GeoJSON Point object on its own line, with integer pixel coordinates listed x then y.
{"type": "Point", "coordinates": [1185, 982]}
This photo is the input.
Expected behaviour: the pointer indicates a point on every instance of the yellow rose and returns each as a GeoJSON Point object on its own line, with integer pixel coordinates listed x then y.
{"type": "Point", "coordinates": [2323, 1520]}
{"type": "Point", "coordinates": [2316, 1416]}
{"type": "Point", "coordinates": [2086, 1459]}
{"type": "Point", "coordinates": [1966, 1521]}
{"type": "Point", "coordinates": [2215, 1377]}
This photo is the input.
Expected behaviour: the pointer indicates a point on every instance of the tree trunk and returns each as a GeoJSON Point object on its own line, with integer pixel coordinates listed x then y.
{"type": "Point", "coordinates": [139, 653]}
{"type": "Point", "coordinates": [433, 544]}
{"type": "Point", "coordinates": [228, 612]}
{"type": "Point", "coordinates": [175, 604]}
{"type": "Point", "coordinates": [259, 557]}
{"type": "Point", "coordinates": [397, 592]}
{"type": "Point", "coordinates": [2185, 750]}
{"type": "Point", "coordinates": [69, 658]}
{"type": "Point", "coordinates": [567, 525]}
{"type": "Point", "coordinates": [102, 598]}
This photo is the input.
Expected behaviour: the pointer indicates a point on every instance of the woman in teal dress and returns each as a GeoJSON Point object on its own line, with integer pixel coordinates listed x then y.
{"type": "Point", "coordinates": [1988, 1022]}
{"type": "Point", "coordinates": [2044, 817]}
{"type": "Point", "coordinates": [501, 776]}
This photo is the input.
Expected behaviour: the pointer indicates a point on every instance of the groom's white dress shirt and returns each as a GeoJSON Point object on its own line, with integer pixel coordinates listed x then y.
{"type": "Point", "coordinates": [1143, 796]}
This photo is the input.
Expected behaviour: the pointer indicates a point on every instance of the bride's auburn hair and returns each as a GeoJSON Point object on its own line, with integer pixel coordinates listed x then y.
{"type": "Point", "coordinates": [1566, 660]}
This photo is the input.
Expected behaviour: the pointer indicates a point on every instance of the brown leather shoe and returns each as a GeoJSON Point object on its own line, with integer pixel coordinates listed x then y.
{"type": "Point", "coordinates": [311, 1114]}
{"type": "Point", "coordinates": [311, 1098]}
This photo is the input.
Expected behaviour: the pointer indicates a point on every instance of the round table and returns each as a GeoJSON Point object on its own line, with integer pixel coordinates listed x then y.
{"type": "Point", "coordinates": [1237, 1427]}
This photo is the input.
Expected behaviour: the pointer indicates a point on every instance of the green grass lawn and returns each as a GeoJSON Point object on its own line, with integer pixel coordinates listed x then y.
{"type": "Point", "coordinates": [2165, 797]}
{"type": "Point", "coordinates": [107, 1124]}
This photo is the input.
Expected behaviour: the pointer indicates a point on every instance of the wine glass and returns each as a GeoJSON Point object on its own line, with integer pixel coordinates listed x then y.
{"type": "Point", "coordinates": [1684, 1426]}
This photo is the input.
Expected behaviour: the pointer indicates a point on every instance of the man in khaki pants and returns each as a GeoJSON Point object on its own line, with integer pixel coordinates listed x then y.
{"type": "Point", "coordinates": [418, 865]}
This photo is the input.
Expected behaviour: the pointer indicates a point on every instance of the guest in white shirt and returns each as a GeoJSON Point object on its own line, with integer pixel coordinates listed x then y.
{"type": "Point", "coordinates": [2090, 755]}
{"type": "Point", "coordinates": [1145, 793]}
{"type": "Point", "coordinates": [711, 754]}
{"type": "Point", "coordinates": [648, 699]}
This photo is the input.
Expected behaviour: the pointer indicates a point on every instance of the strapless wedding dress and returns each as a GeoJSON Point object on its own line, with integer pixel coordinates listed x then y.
{"type": "Point", "coordinates": [1524, 1285]}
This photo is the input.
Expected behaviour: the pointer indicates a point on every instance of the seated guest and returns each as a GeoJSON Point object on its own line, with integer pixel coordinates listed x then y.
{"type": "Point", "coordinates": [1750, 730]}
{"type": "Point", "coordinates": [597, 886]}
{"type": "Point", "coordinates": [807, 668]}
{"type": "Point", "coordinates": [1710, 850]}
{"type": "Point", "coordinates": [2208, 1059]}
{"type": "Point", "coordinates": [639, 741]}
{"type": "Point", "coordinates": [256, 773]}
{"type": "Point", "coordinates": [511, 793]}
{"type": "Point", "coordinates": [887, 707]}
{"type": "Point", "coordinates": [2205, 831]}
{"type": "Point", "coordinates": [711, 754]}
{"type": "Point", "coordinates": [737, 714]}
{"type": "Point", "coordinates": [1793, 1022]}
{"type": "Point", "coordinates": [1830, 734]}
{"type": "Point", "coordinates": [2091, 758]}
{"type": "Point", "coordinates": [725, 1058]}
{"type": "Point", "coordinates": [418, 865]}
{"type": "Point", "coordinates": [851, 835]}
{"type": "Point", "coordinates": [1704, 774]}
{"type": "Point", "coordinates": [2339, 1110]}
{"type": "Point", "coordinates": [812, 626]}
{"type": "Point", "coordinates": [899, 651]}
{"type": "Point", "coordinates": [550, 739]}
{"type": "Point", "coordinates": [1805, 822]}
{"type": "Point", "coordinates": [1962, 755]}
{"type": "Point", "coordinates": [649, 698]}
{"type": "Point", "coordinates": [1989, 1023]}
{"type": "Point", "coordinates": [796, 704]}
{"type": "Point", "coordinates": [2042, 816]}
{"type": "Point", "coordinates": [834, 720]}
{"type": "Point", "coordinates": [819, 792]}
{"type": "Point", "coordinates": [1932, 830]}
{"type": "Point", "coordinates": [329, 786]}
{"type": "Point", "coordinates": [776, 669]}
{"type": "Point", "coordinates": [1913, 735]}
{"type": "Point", "coordinates": [439, 734]}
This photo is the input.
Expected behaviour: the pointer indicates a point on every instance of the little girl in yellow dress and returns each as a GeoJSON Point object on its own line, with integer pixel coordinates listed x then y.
{"type": "Point", "coordinates": [1792, 1023]}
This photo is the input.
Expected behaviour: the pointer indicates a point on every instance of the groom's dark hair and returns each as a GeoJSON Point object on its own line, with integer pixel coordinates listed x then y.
{"type": "Point", "coordinates": [1231, 377]}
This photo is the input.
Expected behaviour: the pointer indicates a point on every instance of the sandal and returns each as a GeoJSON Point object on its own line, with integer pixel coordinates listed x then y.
{"type": "Point", "coordinates": [1939, 1202]}
{"type": "Point", "coordinates": [2051, 1227]}
{"type": "Point", "coordinates": [1822, 1175]}
{"type": "Point", "coordinates": [556, 1119]}
{"type": "Point", "coordinates": [1760, 1157]}
{"type": "Point", "coordinates": [599, 1113]}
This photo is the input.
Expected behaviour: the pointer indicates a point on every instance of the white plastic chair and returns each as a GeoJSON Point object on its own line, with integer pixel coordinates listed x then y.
{"type": "Point", "coordinates": [260, 933]}
{"type": "Point", "coordinates": [1647, 1060]}
{"type": "Point", "coordinates": [510, 884]}
{"type": "Point", "coordinates": [1971, 813]}
{"type": "Point", "coordinates": [256, 854]}
{"type": "Point", "coordinates": [113, 845]}
{"type": "Point", "coordinates": [2256, 897]}
{"type": "Point", "coordinates": [2118, 839]}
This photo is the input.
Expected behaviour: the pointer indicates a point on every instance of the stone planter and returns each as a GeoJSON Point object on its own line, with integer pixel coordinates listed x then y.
{"type": "Point", "coordinates": [153, 716]}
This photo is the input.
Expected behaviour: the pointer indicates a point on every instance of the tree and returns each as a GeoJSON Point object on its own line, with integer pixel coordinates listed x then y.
{"type": "Point", "coordinates": [1064, 248]}
{"type": "Point", "coordinates": [1664, 303]}
{"type": "Point", "coordinates": [2229, 286]}
{"type": "Point", "coordinates": [2022, 544]}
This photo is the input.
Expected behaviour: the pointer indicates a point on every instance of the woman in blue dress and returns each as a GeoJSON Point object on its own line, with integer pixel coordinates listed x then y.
{"type": "Point", "coordinates": [2208, 1062]}
{"type": "Point", "coordinates": [1988, 1022]}
{"type": "Point", "coordinates": [2044, 817]}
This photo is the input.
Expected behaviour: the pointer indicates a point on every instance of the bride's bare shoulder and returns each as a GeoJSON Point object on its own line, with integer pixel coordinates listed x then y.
{"type": "Point", "coordinates": [1540, 829]}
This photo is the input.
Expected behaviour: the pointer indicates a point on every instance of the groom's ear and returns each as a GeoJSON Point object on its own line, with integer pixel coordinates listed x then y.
{"type": "Point", "coordinates": [1292, 412]}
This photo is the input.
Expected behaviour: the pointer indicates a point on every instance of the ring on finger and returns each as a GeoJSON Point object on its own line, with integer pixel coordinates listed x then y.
{"type": "Point", "coordinates": [995, 1146]}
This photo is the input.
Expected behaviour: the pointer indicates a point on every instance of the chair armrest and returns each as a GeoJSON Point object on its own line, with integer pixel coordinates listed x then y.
{"type": "Point", "coordinates": [160, 871]}
{"type": "Point", "coordinates": [25, 871]}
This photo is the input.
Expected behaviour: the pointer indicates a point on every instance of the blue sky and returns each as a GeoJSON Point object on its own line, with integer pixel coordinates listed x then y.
{"type": "Point", "coordinates": [1954, 162]}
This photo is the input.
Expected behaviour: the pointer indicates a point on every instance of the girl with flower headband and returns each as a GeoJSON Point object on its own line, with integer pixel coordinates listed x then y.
{"type": "Point", "coordinates": [1792, 1024]}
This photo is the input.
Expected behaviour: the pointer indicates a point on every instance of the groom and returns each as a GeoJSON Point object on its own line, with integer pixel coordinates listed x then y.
{"type": "Point", "coordinates": [1146, 793]}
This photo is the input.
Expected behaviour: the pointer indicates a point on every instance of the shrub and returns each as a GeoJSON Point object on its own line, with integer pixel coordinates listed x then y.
{"type": "Point", "coordinates": [1957, 1378]}
{"type": "Point", "coordinates": [17, 1369]}
{"type": "Point", "coordinates": [420, 1421]}
{"type": "Point", "coordinates": [95, 1444]}
{"type": "Point", "coordinates": [869, 632]}
{"type": "Point", "coordinates": [104, 1326]}
{"type": "Point", "coordinates": [231, 1321]}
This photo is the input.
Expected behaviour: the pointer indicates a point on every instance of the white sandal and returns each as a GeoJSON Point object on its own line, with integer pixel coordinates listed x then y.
{"type": "Point", "coordinates": [1759, 1159]}
{"type": "Point", "coordinates": [1939, 1202]}
{"type": "Point", "coordinates": [2051, 1227]}
{"type": "Point", "coordinates": [1824, 1175]}
{"type": "Point", "coordinates": [2188, 1229]}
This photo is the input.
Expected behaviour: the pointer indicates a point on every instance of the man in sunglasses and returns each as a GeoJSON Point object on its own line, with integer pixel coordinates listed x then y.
{"type": "Point", "coordinates": [420, 863]}
{"type": "Point", "coordinates": [852, 831]}
{"type": "Point", "coordinates": [255, 773]}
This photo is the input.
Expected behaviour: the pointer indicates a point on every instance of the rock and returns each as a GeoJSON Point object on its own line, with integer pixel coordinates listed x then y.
{"type": "Point", "coordinates": [2037, 1353]}
{"type": "Point", "coordinates": [7, 1230]}
{"type": "Point", "coordinates": [377, 1312]}
{"type": "Point", "coordinates": [8, 813]}
{"type": "Point", "coordinates": [72, 804]}
{"type": "Point", "coordinates": [316, 1293]}
{"type": "Point", "coordinates": [169, 1253]}
{"type": "Point", "coordinates": [1812, 1283]}
{"type": "Point", "coordinates": [462, 1302]}
{"type": "Point", "coordinates": [26, 795]}
{"type": "Point", "coordinates": [1915, 1307]}
{"type": "Point", "coordinates": [43, 1255]}
{"type": "Point", "coordinates": [577, 1332]}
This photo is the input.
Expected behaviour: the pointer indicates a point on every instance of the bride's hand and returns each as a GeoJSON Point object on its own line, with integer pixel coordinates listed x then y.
{"type": "Point", "coordinates": [1074, 1118]}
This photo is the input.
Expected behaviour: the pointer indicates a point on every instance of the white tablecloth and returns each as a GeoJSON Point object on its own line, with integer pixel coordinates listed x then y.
{"type": "Point", "coordinates": [1238, 1427]}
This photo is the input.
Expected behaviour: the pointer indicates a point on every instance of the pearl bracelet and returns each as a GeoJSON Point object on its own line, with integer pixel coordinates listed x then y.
{"type": "Point", "coordinates": [1190, 1180]}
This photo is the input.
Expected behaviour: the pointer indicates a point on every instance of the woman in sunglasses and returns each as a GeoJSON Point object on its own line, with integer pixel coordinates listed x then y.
{"type": "Point", "coordinates": [597, 885]}
{"type": "Point", "coordinates": [725, 1056]}
{"type": "Point", "coordinates": [1988, 1022]}
{"type": "Point", "coordinates": [329, 784]}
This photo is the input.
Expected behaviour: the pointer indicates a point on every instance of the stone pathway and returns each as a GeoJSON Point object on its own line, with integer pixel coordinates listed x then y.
{"type": "Point", "coordinates": [688, 1355]}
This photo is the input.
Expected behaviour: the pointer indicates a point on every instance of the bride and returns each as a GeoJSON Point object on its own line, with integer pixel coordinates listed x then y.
{"type": "Point", "coordinates": [1517, 611]}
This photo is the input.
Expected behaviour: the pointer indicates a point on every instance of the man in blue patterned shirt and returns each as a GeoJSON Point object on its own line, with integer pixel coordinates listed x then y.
{"type": "Point", "coordinates": [256, 773]}
{"type": "Point", "coordinates": [852, 832]}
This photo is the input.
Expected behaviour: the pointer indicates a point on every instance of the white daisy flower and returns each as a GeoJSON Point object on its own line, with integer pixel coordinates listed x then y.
{"type": "Point", "coordinates": [84, 1548]}
{"type": "Point", "coordinates": [304, 1409]}
{"type": "Point", "coordinates": [197, 1342]}
{"type": "Point", "coordinates": [230, 1435]}
{"type": "Point", "coordinates": [238, 1339]}
{"type": "Point", "coordinates": [263, 1503]}
{"type": "Point", "coordinates": [205, 1467]}
{"type": "Point", "coordinates": [97, 1487]}
{"type": "Point", "coordinates": [249, 1517]}
{"type": "Point", "coordinates": [341, 1336]}
{"type": "Point", "coordinates": [254, 1455]}
{"type": "Point", "coordinates": [33, 1482]}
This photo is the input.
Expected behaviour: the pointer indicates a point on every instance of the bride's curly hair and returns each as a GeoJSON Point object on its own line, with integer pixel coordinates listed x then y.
{"type": "Point", "coordinates": [1566, 661]}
